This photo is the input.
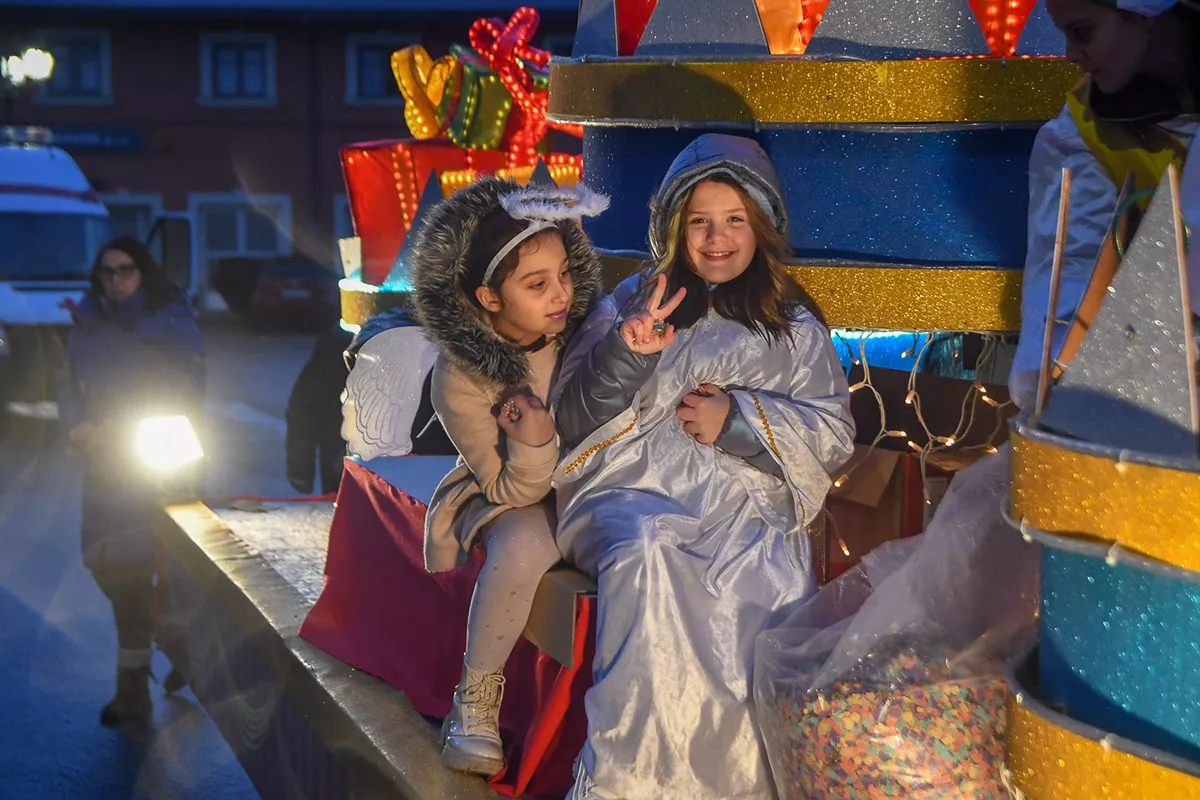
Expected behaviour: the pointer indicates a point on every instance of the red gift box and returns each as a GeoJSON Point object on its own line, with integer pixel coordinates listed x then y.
{"type": "Point", "coordinates": [384, 181]}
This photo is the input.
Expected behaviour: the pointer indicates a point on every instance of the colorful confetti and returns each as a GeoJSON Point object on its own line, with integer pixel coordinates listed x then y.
{"type": "Point", "coordinates": [902, 727]}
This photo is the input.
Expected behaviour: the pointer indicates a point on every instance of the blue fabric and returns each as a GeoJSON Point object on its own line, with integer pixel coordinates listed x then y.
{"type": "Point", "coordinates": [124, 363]}
{"type": "Point", "coordinates": [946, 197]}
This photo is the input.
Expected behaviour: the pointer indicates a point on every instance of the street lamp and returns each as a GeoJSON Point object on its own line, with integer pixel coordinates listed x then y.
{"type": "Point", "coordinates": [33, 65]}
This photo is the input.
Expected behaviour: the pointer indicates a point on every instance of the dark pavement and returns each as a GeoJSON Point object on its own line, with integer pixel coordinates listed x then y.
{"type": "Point", "coordinates": [57, 643]}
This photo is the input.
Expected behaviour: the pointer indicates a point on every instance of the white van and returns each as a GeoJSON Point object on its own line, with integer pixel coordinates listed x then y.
{"type": "Point", "coordinates": [51, 226]}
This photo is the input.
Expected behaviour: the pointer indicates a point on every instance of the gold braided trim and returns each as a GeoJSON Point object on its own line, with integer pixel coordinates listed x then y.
{"type": "Point", "coordinates": [774, 448]}
{"type": "Point", "coordinates": [767, 425]}
{"type": "Point", "coordinates": [591, 451]}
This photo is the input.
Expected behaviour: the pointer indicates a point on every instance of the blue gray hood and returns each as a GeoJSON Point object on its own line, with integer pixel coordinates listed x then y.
{"type": "Point", "coordinates": [740, 158]}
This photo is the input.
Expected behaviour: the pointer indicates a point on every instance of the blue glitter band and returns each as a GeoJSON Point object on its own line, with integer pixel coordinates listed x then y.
{"type": "Point", "coordinates": [945, 197]}
{"type": "Point", "coordinates": [1120, 649]}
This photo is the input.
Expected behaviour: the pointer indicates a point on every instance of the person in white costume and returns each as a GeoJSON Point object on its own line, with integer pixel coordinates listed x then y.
{"type": "Point", "coordinates": [1135, 113]}
{"type": "Point", "coordinates": [701, 433]}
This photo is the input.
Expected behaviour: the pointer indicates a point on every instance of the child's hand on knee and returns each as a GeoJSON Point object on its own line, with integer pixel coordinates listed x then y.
{"type": "Point", "coordinates": [525, 419]}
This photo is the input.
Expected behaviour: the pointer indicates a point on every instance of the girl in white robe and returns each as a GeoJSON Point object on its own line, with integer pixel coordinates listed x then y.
{"type": "Point", "coordinates": [701, 434]}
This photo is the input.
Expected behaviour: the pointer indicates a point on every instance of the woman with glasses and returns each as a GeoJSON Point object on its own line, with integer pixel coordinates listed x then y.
{"type": "Point", "coordinates": [135, 352]}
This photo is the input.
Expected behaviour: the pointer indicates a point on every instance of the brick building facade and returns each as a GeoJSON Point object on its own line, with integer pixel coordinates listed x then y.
{"type": "Point", "coordinates": [233, 110]}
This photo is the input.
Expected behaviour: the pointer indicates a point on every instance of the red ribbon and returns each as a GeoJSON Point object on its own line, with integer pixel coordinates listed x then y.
{"type": "Point", "coordinates": [506, 49]}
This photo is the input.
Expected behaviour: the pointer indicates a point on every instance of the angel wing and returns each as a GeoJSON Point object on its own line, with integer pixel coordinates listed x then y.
{"type": "Point", "coordinates": [383, 392]}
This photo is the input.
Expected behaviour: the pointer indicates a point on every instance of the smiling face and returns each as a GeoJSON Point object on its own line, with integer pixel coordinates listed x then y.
{"type": "Point", "coordinates": [1108, 44]}
{"type": "Point", "coordinates": [534, 299]}
{"type": "Point", "coordinates": [119, 275]}
{"type": "Point", "coordinates": [719, 239]}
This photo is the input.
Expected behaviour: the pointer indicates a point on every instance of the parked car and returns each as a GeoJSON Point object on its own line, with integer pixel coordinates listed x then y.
{"type": "Point", "coordinates": [291, 292]}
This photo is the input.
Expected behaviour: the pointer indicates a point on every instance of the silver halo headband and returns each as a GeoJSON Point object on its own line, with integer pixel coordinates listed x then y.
{"type": "Point", "coordinates": [544, 208]}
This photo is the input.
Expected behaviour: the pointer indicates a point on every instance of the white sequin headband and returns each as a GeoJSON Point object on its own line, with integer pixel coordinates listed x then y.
{"type": "Point", "coordinates": [544, 208]}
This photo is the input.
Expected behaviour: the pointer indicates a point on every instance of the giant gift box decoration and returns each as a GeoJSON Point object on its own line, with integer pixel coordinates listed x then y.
{"type": "Point", "coordinates": [479, 109]}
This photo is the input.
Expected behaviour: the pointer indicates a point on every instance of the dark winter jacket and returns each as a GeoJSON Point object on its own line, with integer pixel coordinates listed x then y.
{"type": "Point", "coordinates": [314, 415]}
{"type": "Point", "coordinates": [123, 364]}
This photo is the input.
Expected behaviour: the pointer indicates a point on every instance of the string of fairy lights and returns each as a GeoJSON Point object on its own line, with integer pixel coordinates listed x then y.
{"type": "Point", "coordinates": [934, 442]}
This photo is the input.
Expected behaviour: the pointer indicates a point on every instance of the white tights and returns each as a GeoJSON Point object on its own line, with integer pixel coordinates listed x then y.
{"type": "Point", "coordinates": [520, 548]}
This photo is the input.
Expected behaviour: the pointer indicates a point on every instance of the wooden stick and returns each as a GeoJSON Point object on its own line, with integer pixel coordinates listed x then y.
{"type": "Point", "coordinates": [1060, 245]}
{"type": "Point", "coordinates": [1097, 289]}
{"type": "Point", "coordinates": [1181, 250]}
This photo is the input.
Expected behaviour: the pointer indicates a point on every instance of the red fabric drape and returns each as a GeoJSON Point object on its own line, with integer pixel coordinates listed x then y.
{"type": "Point", "coordinates": [382, 613]}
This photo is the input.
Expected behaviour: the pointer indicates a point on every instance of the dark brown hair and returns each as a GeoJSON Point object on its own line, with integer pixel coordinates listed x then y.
{"type": "Point", "coordinates": [763, 298]}
{"type": "Point", "coordinates": [156, 287]}
{"type": "Point", "coordinates": [493, 232]}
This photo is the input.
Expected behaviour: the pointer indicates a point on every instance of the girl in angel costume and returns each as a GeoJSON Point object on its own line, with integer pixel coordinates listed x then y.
{"type": "Point", "coordinates": [502, 277]}
{"type": "Point", "coordinates": [701, 433]}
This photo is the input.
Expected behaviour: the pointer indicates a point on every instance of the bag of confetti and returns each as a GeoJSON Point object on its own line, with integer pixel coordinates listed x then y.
{"type": "Point", "coordinates": [901, 693]}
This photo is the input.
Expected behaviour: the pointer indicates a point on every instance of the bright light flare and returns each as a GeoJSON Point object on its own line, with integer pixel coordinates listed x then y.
{"type": "Point", "coordinates": [167, 443]}
{"type": "Point", "coordinates": [38, 64]}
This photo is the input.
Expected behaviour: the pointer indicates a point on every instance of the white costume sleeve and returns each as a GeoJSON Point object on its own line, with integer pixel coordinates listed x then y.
{"type": "Point", "coordinates": [1093, 202]}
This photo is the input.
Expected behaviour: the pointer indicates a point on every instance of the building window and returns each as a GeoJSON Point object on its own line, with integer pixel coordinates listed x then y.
{"type": "Point", "coordinates": [133, 214]}
{"type": "Point", "coordinates": [240, 225]}
{"type": "Point", "coordinates": [369, 79]}
{"type": "Point", "coordinates": [237, 70]}
{"type": "Point", "coordinates": [82, 69]}
{"type": "Point", "coordinates": [559, 44]}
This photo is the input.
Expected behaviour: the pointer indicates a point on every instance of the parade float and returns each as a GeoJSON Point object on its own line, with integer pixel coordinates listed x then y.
{"type": "Point", "coordinates": [901, 132]}
{"type": "Point", "coordinates": [1105, 475]}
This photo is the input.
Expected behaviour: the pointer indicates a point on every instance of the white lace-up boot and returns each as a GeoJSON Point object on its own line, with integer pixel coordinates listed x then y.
{"type": "Point", "coordinates": [471, 733]}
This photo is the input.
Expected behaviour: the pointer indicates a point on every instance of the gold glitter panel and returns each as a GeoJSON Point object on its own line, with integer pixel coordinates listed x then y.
{"type": "Point", "coordinates": [359, 305]}
{"type": "Point", "coordinates": [1153, 511]}
{"type": "Point", "coordinates": [895, 298]}
{"type": "Point", "coordinates": [1049, 762]}
{"type": "Point", "coordinates": [798, 91]}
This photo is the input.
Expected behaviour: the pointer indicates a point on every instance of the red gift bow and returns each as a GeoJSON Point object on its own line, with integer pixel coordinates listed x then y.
{"type": "Point", "coordinates": [506, 49]}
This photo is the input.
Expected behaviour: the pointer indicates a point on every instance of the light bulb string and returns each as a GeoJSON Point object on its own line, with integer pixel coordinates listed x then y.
{"type": "Point", "coordinates": [933, 442]}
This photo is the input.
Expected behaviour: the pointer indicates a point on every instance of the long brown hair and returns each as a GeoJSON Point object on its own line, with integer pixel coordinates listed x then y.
{"type": "Point", "coordinates": [763, 298]}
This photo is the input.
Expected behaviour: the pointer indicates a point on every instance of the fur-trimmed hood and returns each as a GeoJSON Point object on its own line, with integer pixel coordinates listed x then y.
{"type": "Point", "coordinates": [451, 321]}
{"type": "Point", "coordinates": [740, 158]}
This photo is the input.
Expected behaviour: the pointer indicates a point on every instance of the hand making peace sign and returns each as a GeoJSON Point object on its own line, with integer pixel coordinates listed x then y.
{"type": "Point", "coordinates": [648, 333]}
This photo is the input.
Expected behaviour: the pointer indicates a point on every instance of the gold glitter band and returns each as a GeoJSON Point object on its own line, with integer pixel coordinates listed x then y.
{"type": "Point", "coordinates": [359, 303]}
{"type": "Point", "coordinates": [895, 298]}
{"type": "Point", "coordinates": [1150, 510]}
{"type": "Point", "coordinates": [801, 92]}
{"type": "Point", "coordinates": [1046, 761]}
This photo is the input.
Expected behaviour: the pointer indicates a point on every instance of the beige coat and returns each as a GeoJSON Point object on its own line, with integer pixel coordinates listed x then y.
{"type": "Point", "coordinates": [493, 473]}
